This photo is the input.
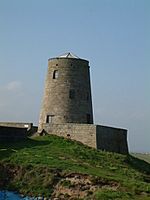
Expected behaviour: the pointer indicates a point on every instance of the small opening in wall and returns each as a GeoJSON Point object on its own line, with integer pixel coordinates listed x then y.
{"type": "Point", "coordinates": [49, 119]}
{"type": "Point", "coordinates": [68, 135]}
{"type": "Point", "coordinates": [87, 96]}
{"type": "Point", "coordinates": [56, 64]}
{"type": "Point", "coordinates": [72, 94]}
{"type": "Point", "coordinates": [55, 74]}
{"type": "Point", "coordinates": [88, 118]}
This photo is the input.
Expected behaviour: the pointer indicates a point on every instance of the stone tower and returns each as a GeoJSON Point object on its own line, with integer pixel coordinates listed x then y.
{"type": "Point", "coordinates": [67, 93]}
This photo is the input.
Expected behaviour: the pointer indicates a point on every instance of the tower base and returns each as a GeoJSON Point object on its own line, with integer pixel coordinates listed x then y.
{"type": "Point", "coordinates": [96, 136]}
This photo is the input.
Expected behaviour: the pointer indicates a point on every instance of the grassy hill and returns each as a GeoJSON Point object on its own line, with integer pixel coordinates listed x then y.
{"type": "Point", "coordinates": [142, 156]}
{"type": "Point", "coordinates": [55, 167]}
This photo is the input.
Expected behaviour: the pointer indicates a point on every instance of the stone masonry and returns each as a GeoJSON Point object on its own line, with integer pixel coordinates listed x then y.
{"type": "Point", "coordinates": [28, 126]}
{"type": "Point", "coordinates": [12, 134]}
{"type": "Point", "coordinates": [67, 93]}
{"type": "Point", "coordinates": [67, 106]}
{"type": "Point", "coordinates": [30, 129]}
{"type": "Point", "coordinates": [84, 133]}
{"type": "Point", "coordinates": [96, 136]}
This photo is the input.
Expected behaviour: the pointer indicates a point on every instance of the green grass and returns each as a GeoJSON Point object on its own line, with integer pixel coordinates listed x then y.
{"type": "Point", "coordinates": [142, 156]}
{"type": "Point", "coordinates": [108, 194]}
{"type": "Point", "coordinates": [40, 159]}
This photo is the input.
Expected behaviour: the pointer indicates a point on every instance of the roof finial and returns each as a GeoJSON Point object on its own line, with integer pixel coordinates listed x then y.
{"type": "Point", "coordinates": [68, 55]}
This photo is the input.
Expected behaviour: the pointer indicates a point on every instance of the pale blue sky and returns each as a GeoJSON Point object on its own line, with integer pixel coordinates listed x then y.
{"type": "Point", "coordinates": [114, 35]}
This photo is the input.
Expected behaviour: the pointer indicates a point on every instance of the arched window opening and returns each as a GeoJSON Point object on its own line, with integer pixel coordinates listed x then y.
{"type": "Point", "coordinates": [55, 74]}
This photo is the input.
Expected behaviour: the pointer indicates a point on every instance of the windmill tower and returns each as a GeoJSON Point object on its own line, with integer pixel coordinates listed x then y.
{"type": "Point", "coordinates": [67, 92]}
{"type": "Point", "coordinates": [66, 109]}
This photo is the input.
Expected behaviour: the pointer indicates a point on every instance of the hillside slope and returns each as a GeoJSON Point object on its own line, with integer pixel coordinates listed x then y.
{"type": "Point", "coordinates": [56, 167]}
{"type": "Point", "coordinates": [142, 156]}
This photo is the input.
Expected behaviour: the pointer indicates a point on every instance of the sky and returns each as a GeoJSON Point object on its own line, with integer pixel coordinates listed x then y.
{"type": "Point", "coordinates": [114, 35]}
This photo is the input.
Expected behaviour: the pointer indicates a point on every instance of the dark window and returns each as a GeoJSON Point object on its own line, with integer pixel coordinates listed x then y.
{"type": "Point", "coordinates": [49, 118]}
{"type": "Point", "coordinates": [55, 74]}
{"type": "Point", "coordinates": [56, 64]}
{"type": "Point", "coordinates": [88, 118]}
{"type": "Point", "coordinates": [87, 96]}
{"type": "Point", "coordinates": [72, 94]}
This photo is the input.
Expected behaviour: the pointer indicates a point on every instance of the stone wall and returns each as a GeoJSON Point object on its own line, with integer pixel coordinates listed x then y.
{"type": "Point", "coordinates": [96, 136]}
{"type": "Point", "coordinates": [67, 97]}
{"type": "Point", "coordinates": [11, 134]}
{"type": "Point", "coordinates": [111, 139]}
{"type": "Point", "coordinates": [84, 133]}
{"type": "Point", "coordinates": [17, 124]}
{"type": "Point", "coordinates": [28, 126]}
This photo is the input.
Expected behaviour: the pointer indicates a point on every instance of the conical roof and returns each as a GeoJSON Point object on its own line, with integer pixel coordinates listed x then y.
{"type": "Point", "coordinates": [68, 55]}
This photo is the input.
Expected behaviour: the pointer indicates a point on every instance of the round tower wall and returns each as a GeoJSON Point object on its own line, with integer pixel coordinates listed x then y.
{"type": "Point", "coordinates": [67, 93]}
